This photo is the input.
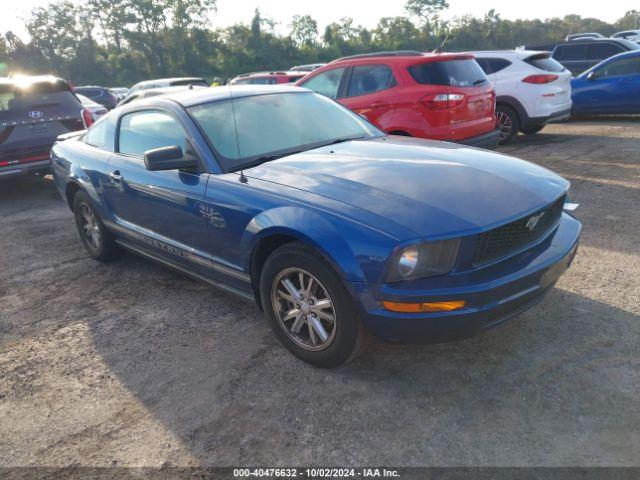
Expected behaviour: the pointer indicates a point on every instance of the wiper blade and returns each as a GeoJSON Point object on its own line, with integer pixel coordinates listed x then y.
{"type": "Point", "coordinates": [479, 81]}
{"type": "Point", "coordinates": [265, 159]}
{"type": "Point", "coordinates": [342, 140]}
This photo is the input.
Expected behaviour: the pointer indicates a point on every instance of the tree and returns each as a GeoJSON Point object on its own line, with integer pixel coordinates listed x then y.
{"type": "Point", "coordinates": [427, 11]}
{"type": "Point", "coordinates": [304, 30]}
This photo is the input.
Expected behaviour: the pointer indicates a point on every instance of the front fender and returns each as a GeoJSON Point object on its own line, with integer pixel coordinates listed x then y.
{"type": "Point", "coordinates": [345, 245]}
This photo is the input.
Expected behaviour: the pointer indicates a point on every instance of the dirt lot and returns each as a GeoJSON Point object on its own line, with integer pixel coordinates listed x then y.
{"type": "Point", "coordinates": [132, 364]}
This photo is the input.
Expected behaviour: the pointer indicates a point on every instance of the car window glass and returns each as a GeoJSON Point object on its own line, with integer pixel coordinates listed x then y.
{"type": "Point", "coordinates": [326, 83]}
{"type": "Point", "coordinates": [624, 66]}
{"type": "Point", "coordinates": [90, 92]}
{"type": "Point", "coordinates": [370, 78]}
{"type": "Point", "coordinates": [455, 73]}
{"type": "Point", "coordinates": [46, 98]}
{"type": "Point", "coordinates": [545, 63]}
{"type": "Point", "coordinates": [571, 52]}
{"type": "Point", "coordinates": [218, 121]}
{"type": "Point", "coordinates": [146, 130]}
{"type": "Point", "coordinates": [602, 50]}
{"type": "Point", "coordinates": [269, 124]}
{"type": "Point", "coordinates": [494, 65]}
{"type": "Point", "coordinates": [102, 133]}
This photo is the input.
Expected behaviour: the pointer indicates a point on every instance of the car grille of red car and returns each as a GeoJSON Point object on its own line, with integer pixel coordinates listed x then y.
{"type": "Point", "coordinates": [515, 236]}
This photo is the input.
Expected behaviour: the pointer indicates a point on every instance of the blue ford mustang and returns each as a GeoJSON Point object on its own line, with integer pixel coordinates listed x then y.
{"type": "Point", "coordinates": [337, 231]}
{"type": "Point", "coordinates": [611, 87]}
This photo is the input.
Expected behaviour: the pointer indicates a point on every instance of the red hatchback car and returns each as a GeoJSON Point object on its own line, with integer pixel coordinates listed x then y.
{"type": "Point", "coordinates": [442, 96]}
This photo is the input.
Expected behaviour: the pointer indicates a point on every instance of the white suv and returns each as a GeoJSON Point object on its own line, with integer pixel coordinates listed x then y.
{"type": "Point", "coordinates": [532, 89]}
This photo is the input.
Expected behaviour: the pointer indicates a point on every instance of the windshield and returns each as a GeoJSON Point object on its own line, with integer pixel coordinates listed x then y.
{"type": "Point", "coordinates": [251, 130]}
{"type": "Point", "coordinates": [454, 73]}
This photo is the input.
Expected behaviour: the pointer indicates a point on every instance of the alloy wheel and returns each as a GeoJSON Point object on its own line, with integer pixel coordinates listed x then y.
{"type": "Point", "coordinates": [304, 309]}
{"type": "Point", "coordinates": [505, 124]}
{"type": "Point", "coordinates": [90, 227]}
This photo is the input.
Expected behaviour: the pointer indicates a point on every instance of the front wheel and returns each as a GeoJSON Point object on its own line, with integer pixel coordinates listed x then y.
{"type": "Point", "coordinates": [309, 308]}
{"type": "Point", "coordinates": [508, 122]}
{"type": "Point", "coordinates": [98, 241]}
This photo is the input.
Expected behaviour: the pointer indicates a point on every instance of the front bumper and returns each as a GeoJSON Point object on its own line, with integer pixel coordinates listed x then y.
{"type": "Point", "coordinates": [492, 294]}
{"type": "Point", "coordinates": [487, 140]}
{"type": "Point", "coordinates": [558, 116]}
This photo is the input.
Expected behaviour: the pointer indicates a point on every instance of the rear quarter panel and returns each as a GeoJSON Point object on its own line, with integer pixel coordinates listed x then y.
{"type": "Point", "coordinates": [75, 162]}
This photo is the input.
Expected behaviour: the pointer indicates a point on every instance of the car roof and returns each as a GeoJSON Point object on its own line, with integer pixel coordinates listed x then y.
{"type": "Point", "coordinates": [287, 73]}
{"type": "Point", "coordinates": [522, 54]}
{"type": "Point", "coordinates": [400, 56]}
{"type": "Point", "coordinates": [28, 79]}
{"type": "Point", "coordinates": [631, 45]}
{"type": "Point", "coordinates": [168, 80]}
{"type": "Point", "coordinates": [197, 96]}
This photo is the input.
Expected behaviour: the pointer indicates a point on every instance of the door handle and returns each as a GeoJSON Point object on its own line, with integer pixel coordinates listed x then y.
{"type": "Point", "coordinates": [115, 175]}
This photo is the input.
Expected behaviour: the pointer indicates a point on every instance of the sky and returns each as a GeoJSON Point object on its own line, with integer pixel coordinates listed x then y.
{"type": "Point", "coordinates": [364, 12]}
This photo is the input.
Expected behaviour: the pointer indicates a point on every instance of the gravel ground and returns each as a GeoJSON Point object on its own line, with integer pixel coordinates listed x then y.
{"type": "Point", "coordinates": [132, 364]}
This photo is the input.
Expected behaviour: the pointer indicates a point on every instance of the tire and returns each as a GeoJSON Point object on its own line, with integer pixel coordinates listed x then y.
{"type": "Point", "coordinates": [97, 240]}
{"type": "Point", "coordinates": [345, 337]}
{"type": "Point", "coordinates": [509, 123]}
{"type": "Point", "coordinates": [532, 130]}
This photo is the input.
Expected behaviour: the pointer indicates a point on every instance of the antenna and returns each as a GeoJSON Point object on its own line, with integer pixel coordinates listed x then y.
{"type": "Point", "coordinates": [439, 49]}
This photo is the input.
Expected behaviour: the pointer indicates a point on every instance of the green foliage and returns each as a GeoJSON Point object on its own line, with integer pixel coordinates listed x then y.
{"type": "Point", "coordinates": [120, 42]}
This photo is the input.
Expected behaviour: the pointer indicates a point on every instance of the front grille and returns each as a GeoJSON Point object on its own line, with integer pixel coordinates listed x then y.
{"type": "Point", "coordinates": [516, 235]}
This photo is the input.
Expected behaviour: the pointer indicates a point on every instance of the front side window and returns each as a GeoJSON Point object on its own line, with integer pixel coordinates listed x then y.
{"type": "Point", "coordinates": [102, 133]}
{"type": "Point", "coordinates": [274, 125]}
{"type": "Point", "coordinates": [624, 66]}
{"type": "Point", "coordinates": [149, 129]}
{"type": "Point", "coordinates": [369, 79]}
{"type": "Point", "coordinates": [454, 73]}
{"type": "Point", "coordinates": [326, 83]}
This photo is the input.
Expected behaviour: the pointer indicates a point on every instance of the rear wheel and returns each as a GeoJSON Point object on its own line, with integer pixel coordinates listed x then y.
{"type": "Point", "coordinates": [309, 309]}
{"type": "Point", "coordinates": [508, 122]}
{"type": "Point", "coordinates": [532, 130]}
{"type": "Point", "coordinates": [98, 241]}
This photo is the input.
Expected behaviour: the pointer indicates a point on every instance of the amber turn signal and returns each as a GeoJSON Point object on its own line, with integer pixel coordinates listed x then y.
{"type": "Point", "coordinates": [424, 307]}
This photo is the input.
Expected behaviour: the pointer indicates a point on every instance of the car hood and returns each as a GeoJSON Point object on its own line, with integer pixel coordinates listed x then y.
{"type": "Point", "coordinates": [435, 189]}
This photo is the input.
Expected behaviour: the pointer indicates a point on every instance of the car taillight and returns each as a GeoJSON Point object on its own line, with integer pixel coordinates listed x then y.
{"type": "Point", "coordinates": [538, 79]}
{"type": "Point", "coordinates": [87, 118]}
{"type": "Point", "coordinates": [440, 101]}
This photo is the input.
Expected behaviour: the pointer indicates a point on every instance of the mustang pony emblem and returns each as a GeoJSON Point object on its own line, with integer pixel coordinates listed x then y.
{"type": "Point", "coordinates": [533, 221]}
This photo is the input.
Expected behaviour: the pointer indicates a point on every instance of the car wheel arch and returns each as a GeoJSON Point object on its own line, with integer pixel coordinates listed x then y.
{"type": "Point", "coordinates": [70, 191]}
{"type": "Point", "coordinates": [515, 105]}
{"type": "Point", "coordinates": [275, 227]}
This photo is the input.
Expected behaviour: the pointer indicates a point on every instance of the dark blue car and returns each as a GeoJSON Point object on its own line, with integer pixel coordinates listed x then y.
{"type": "Point", "coordinates": [611, 87]}
{"type": "Point", "coordinates": [334, 229]}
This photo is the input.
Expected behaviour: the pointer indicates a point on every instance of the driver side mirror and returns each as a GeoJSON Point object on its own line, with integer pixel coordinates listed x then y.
{"type": "Point", "coordinates": [592, 75]}
{"type": "Point", "coordinates": [169, 158]}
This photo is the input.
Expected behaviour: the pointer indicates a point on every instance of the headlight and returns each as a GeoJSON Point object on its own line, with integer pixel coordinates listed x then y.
{"type": "Point", "coordinates": [424, 260]}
